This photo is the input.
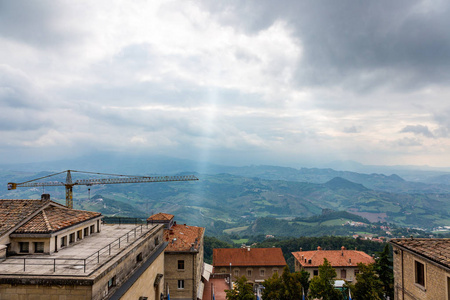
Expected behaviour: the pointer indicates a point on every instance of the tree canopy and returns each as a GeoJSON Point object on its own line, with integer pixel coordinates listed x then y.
{"type": "Point", "coordinates": [241, 291]}
{"type": "Point", "coordinates": [322, 286]}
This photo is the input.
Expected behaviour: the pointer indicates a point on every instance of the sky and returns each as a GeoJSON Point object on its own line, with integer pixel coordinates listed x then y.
{"type": "Point", "coordinates": [231, 82]}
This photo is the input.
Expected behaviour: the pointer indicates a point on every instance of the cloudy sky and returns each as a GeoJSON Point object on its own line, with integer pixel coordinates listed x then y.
{"type": "Point", "coordinates": [234, 82]}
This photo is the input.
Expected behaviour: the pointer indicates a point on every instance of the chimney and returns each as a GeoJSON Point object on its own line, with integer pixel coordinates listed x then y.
{"type": "Point", "coordinates": [248, 248]}
{"type": "Point", "coordinates": [342, 250]}
{"type": "Point", "coordinates": [45, 197]}
{"type": "Point", "coordinates": [319, 248]}
{"type": "Point", "coordinates": [301, 249]}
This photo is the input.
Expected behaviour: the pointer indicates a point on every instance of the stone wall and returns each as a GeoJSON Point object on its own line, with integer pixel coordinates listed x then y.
{"type": "Point", "coordinates": [172, 274]}
{"type": "Point", "coordinates": [256, 275]}
{"type": "Point", "coordinates": [144, 286]}
{"type": "Point", "coordinates": [406, 288]}
{"type": "Point", "coordinates": [41, 292]}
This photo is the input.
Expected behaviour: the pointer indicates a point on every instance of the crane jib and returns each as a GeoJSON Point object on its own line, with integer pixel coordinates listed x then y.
{"type": "Point", "coordinates": [69, 183]}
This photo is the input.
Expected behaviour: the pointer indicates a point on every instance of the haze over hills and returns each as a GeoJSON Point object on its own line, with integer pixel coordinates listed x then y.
{"type": "Point", "coordinates": [232, 197]}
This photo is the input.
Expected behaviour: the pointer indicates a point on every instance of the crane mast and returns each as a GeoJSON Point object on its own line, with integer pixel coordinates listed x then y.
{"type": "Point", "coordinates": [69, 184]}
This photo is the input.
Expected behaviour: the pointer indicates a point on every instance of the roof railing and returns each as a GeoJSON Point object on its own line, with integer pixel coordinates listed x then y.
{"type": "Point", "coordinates": [101, 255]}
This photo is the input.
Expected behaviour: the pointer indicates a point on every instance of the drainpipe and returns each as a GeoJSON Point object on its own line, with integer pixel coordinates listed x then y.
{"type": "Point", "coordinates": [403, 279]}
{"type": "Point", "coordinates": [194, 282]}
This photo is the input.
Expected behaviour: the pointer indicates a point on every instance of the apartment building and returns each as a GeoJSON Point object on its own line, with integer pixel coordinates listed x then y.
{"type": "Point", "coordinates": [48, 251]}
{"type": "Point", "coordinates": [345, 262]}
{"type": "Point", "coordinates": [256, 264]}
{"type": "Point", "coordinates": [184, 266]}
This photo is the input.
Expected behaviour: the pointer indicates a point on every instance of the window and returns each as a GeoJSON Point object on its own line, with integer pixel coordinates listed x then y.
{"type": "Point", "coordinates": [24, 247]}
{"type": "Point", "coordinates": [180, 284]}
{"type": "Point", "coordinates": [111, 282]}
{"type": "Point", "coordinates": [157, 241]}
{"type": "Point", "coordinates": [86, 231]}
{"type": "Point", "coordinates": [236, 273]}
{"type": "Point", "coordinates": [63, 241]}
{"type": "Point", "coordinates": [92, 228]}
{"type": "Point", "coordinates": [38, 247]}
{"type": "Point", "coordinates": [448, 288]}
{"type": "Point", "coordinates": [181, 265]}
{"type": "Point", "coordinates": [315, 272]}
{"type": "Point", "coordinates": [275, 271]}
{"type": "Point", "coordinates": [343, 274]}
{"type": "Point", "coordinates": [262, 273]}
{"type": "Point", "coordinates": [139, 257]}
{"type": "Point", "coordinates": [249, 273]}
{"type": "Point", "coordinates": [420, 273]}
{"type": "Point", "coordinates": [72, 238]}
{"type": "Point", "coordinates": [79, 235]}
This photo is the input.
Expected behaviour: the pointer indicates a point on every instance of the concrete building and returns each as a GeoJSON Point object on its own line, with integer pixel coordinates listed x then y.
{"type": "Point", "coordinates": [184, 270]}
{"type": "Point", "coordinates": [345, 262]}
{"type": "Point", "coordinates": [49, 251]}
{"type": "Point", "coordinates": [421, 268]}
{"type": "Point", "coordinates": [256, 264]}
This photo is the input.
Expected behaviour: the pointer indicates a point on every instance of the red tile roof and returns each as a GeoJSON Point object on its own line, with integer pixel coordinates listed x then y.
{"type": "Point", "coordinates": [248, 257]}
{"type": "Point", "coordinates": [14, 212]}
{"type": "Point", "coordinates": [53, 218]}
{"type": "Point", "coordinates": [336, 258]}
{"type": "Point", "coordinates": [181, 238]}
{"type": "Point", "coordinates": [160, 217]}
{"type": "Point", "coordinates": [437, 250]}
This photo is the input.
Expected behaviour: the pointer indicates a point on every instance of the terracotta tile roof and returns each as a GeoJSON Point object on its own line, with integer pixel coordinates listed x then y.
{"type": "Point", "coordinates": [160, 217]}
{"type": "Point", "coordinates": [437, 250]}
{"type": "Point", "coordinates": [181, 237]}
{"type": "Point", "coordinates": [13, 212]}
{"type": "Point", "coordinates": [248, 257]}
{"type": "Point", "coordinates": [54, 218]}
{"type": "Point", "coordinates": [337, 258]}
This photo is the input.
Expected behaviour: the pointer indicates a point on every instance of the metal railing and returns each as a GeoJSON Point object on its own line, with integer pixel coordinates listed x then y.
{"type": "Point", "coordinates": [123, 220]}
{"type": "Point", "coordinates": [82, 263]}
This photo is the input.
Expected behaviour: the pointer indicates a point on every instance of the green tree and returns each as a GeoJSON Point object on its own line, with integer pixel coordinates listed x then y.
{"type": "Point", "coordinates": [322, 286]}
{"type": "Point", "coordinates": [273, 287]}
{"type": "Point", "coordinates": [241, 291]}
{"type": "Point", "coordinates": [288, 286]}
{"type": "Point", "coordinates": [368, 286]}
{"type": "Point", "coordinates": [384, 268]}
{"type": "Point", "coordinates": [303, 277]}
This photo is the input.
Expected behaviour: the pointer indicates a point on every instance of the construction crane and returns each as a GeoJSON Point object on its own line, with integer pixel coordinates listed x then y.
{"type": "Point", "coordinates": [69, 184]}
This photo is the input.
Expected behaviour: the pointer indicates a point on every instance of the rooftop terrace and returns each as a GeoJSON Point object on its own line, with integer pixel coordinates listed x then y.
{"type": "Point", "coordinates": [84, 257]}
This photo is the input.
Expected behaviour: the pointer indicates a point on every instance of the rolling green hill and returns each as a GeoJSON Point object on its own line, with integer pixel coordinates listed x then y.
{"type": "Point", "coordinates": [225, 201]}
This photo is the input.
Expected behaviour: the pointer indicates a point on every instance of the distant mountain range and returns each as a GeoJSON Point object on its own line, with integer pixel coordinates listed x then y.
{"type": "Point", "coordinates": [228, 197]}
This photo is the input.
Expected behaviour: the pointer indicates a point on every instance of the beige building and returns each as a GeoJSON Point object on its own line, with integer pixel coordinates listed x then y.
{"type": "Point", "coordinates": [345, 262]}
{"type": "Point", "coordinates": [184, 267]}
{"type": "Point", "coordinates": [256, 264]}
{"type": "Point", "coordinates": [49, 251]}
{"type": "Point", "coordinates": [421, 269]}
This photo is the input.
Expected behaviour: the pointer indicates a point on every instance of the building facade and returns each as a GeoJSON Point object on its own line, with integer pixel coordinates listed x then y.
{"type": "Point", "coordinates": [183, 266]}
{"type": "Point", "coordinates": [345, 262]}
{"type": "Point", "coordinates": [256, 264]}
{"type": "Point", "coordinates": [49, 251]}
{"type": "Point", "coordinates": [421, 268]}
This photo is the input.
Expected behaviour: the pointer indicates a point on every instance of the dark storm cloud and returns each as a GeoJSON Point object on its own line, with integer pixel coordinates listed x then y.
{"type": "Point", "coordinates": [32, 22]}
{"type": "Point", "coordinates": [359, 44]}
{"type": "Point", "coordinates": [418, 129]}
